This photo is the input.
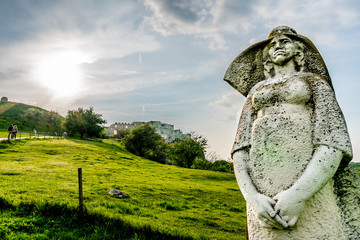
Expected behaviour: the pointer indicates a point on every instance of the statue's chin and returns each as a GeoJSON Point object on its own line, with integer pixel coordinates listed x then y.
{"type": "Point", "coordinates": [280, 60]}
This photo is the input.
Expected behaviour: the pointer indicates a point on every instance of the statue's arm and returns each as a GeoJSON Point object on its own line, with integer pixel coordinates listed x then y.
{"type": "Point", "coordinates": [262, 204]}
{"type": "Point", "coordinates": [322, 167]}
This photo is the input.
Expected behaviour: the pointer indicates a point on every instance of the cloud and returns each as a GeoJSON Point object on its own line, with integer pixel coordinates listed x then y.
{"type": "Point", "coordinates": [321, 20]}
{"type": "Point", "coordinates": [111, 30]}
{"type": "Point", "coordinates": [228, 106]}
{"type": "Point", "coordinates": [215, 20]}
{"type": "Point", "coordinates": [204, 19]}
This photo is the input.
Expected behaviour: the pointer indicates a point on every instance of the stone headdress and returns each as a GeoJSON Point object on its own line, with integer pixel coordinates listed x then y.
{"type": "Point", "coordinates": [247, 69]}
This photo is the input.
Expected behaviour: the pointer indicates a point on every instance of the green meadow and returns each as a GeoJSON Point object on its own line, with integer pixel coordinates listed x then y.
{"type": "Point", "coordinates": [3, 134]}
{"type": "Point", "coordinates": [39, 195]}
{"type": "Point", "coordinates": [21, 134]}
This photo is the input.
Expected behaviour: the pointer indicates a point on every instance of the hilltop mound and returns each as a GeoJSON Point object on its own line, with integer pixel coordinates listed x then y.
{"type": "Point", "coordinates": [28, 117]}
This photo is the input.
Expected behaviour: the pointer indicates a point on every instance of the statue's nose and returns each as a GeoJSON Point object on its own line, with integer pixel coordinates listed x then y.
{"type": "Point", "coordinates": [277, 45]}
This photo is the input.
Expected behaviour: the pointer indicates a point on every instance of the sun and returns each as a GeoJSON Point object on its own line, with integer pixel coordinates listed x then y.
{"type": "Point", "coordinates": [60, 72]}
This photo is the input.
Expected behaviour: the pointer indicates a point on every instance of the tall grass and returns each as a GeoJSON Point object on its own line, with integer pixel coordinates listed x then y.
{"type": "Point", "coordinates": [166, 200]}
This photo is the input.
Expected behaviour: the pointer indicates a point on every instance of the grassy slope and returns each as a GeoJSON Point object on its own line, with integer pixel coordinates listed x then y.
{"type": "Point", "coordinates": [168, 199]}
{"type": "Point", "coordinates": [26, 117]}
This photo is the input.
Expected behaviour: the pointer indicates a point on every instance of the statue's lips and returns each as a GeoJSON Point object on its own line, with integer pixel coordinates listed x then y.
{"type": "Point", "coordinates": [279, 52]}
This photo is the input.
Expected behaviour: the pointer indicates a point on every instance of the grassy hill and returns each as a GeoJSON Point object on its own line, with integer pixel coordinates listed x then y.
{"type": "Point", "coordinates": [39, 195]}
{"type": "Point", "coordinates": [28, 117]}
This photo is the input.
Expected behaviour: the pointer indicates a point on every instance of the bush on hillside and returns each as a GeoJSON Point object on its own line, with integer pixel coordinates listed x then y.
{"type": "Point", "coordinates": [122, 133]}
{"type": "Point", "coordinates": [84, 123]}
{"type": "Point", "coordinates": [217, 166]}
{"type": "Point", "coordinates": [183, 152]}
{"type": "Point", "coordinates": [159, 153]}
{"type": "Point", "coordinates": [201, 163]}
{"type": "Point", "coordinates": [222, 166]}
{"type": "Point", "coordinates": [144, 141]}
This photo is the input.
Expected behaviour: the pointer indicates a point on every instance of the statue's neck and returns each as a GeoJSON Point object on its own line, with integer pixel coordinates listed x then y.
{"type": "Point", "coordinates": [287, 68]}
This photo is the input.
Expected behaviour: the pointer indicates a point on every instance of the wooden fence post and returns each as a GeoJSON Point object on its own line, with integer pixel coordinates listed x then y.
{"type": "Point", "coordinates": [81, 202]}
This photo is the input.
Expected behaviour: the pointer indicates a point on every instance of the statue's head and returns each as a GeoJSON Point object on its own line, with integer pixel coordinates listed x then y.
{"type": "Point", "coordinates": [283, 44]}
{"type": "Point", "coordinates": [282, 48]}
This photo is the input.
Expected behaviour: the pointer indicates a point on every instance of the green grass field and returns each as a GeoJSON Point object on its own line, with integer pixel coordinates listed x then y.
{"type": "Point", "coordinates": [23, 134]}
{"type": "Point", "coordinates": [39, 179]}
{"type": "Point", "coordinates": [3, 134]}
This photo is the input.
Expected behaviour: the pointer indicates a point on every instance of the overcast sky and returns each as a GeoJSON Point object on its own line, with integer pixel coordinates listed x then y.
{"type": "Point", "coordinates": [164, 59]}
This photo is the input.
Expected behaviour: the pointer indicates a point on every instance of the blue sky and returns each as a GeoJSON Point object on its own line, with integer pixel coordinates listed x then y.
{"type": "Point", "coordinates": [165, 59]}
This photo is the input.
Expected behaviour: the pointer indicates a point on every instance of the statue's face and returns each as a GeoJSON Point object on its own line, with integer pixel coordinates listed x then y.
{"type": "Point", "coordinates": [281, 49]}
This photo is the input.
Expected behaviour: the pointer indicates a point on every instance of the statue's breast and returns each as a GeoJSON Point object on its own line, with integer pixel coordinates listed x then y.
{"type": "Point", "coordinates": [293, 90]}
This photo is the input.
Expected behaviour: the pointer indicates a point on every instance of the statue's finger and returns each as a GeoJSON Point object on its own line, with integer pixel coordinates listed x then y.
{"type": "Point", "coordinates": [272, 201]}
{"type": "Point", "coordinates": [277, 208]}
{"type": "Point", "coordinates": [263, 224]}
{"type": "Point", "coordinates": [279, 220]}
{"type": "Point", "coordinates": [270, 221]}
{"type": "Point", "coordinates": [269, 224]}
{"type": "Point", "coordinates": [272, 214]}
{"type": "Point", "coordinates": [270, 211]}
{"type": "Point", "coordinates": [292, 221]}
{"type": "Point", "coordinates": [285, 218]}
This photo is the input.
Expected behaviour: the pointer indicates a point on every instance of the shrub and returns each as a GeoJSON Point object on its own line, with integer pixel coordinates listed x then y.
{"type": "Point", "coordinates": [84, 122]}
{"type": "Point", "coordinates": [144, 141]}
{"type": "Point", "coordinates": [183, 152]}
{"type": "Point", "coordinates": [222, 166]}
{"type": "Point", "coordinates": [122, 133]}
{"type": "Point", "coordinates": [158, 153]}
{"type": "Point", "coordinates": [201, 163]}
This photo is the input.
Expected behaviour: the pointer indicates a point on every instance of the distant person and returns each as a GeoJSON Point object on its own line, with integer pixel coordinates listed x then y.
{"type": "Point", "coordinates": [14, 132]}
{"type": "Point", "coordinates": [10, 130]}
{"type": "Point", "coordinates": [34, 132]}
{"type": "Point", "coordinates": [65, 134]}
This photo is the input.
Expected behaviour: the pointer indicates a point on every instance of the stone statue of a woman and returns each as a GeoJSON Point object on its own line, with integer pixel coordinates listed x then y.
{"type": "Point", "coordinates": [292, 146]}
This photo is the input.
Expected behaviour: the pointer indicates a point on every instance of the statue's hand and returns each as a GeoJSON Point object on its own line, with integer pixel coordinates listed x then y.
{"type": "Point", "coordinates": [265, 213]}
{"type": "Point", "coordinates": [289, 206]}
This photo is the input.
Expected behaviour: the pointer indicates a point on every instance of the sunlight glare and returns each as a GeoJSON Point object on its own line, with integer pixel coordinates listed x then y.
{"type": "Point", "coordinates": [61, 73]}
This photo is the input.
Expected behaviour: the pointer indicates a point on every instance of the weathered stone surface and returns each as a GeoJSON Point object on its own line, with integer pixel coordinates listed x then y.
{"type": "Point", "coordinates": [290, 141]}
{"type": "Point", "coordinates": [347, 190]}
{"type": "Point", "coordinates": [118, 193]}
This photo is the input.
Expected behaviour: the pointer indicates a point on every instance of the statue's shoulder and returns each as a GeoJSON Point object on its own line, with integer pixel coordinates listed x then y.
{"type": "Point", "coordinates": [309, 75]}
{"type": "Point", "coordinates": [256, 86]}
{"type": "Point", "coordinates": [314, 79]}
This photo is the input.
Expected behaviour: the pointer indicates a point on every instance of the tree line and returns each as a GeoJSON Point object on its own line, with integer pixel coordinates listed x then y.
{"type": "Point", "coordinates": [144, 141]}
{"type": "Point", "coordinates": [190, 152]}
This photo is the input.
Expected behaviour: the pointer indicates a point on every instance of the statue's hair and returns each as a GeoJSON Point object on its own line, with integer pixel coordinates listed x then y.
{"type": "Point", "coordinates": [298, 59]}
